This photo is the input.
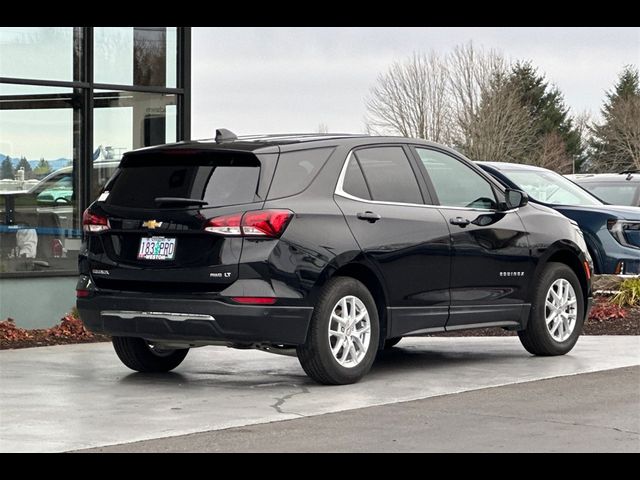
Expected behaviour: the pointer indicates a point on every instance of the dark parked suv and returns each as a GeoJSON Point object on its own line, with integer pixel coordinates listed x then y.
{"type": "Point", "coordinates": [611, 232]}
{"type": "Point", "coordinates": [331, 247]}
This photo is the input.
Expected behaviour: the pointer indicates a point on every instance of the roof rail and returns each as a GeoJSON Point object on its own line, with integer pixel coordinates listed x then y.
{"type": "Point", "coordinates": [293, 135]}
{"type": "Point", "coordinates": [629, 173]}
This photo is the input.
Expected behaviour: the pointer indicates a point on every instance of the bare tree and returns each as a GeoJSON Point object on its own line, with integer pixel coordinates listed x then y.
{"type": "Point", "coordinates": [623, 132]}
{"type": "Point", "coordinates": [582, 123]}
{"type": "Point", "coordinates": [497, 127]}
{"type": "Point", "coordinates": [552, 154]}
{"type": "Point", "coordinates": [471, 78]}
{"type": "Point", "coordinates": [322, 128]}
{"type": "Point", "coordinates": [467, 100]}
{"type": "Point", "coordinates": [410, 99]}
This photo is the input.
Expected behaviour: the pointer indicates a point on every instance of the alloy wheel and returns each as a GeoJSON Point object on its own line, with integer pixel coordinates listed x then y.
{"type": "Point", "coordinates": [561, 310]}
{"type": "Point", "coordinates": [349, 331]}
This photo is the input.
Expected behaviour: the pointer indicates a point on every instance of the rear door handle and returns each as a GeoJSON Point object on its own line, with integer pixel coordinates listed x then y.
{"type": "Point", "coordinates": [463, 222]}
{"type": "Point", "coordinates": [370, 217]}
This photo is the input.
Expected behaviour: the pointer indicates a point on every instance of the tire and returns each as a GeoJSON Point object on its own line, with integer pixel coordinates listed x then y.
{"type": "Point", "coordinates": [391, 342]}
{"type": "Point", "coordinates": [316, 356]}
{"type": "Point", "coordinates": [138, 355]}
{"type": "Point", "coordinates": [537, 338]}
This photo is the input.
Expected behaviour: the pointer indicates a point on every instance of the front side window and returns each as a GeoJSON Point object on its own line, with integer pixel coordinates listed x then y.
{"type": "Point", "coordinates": [389, 175]}
{"type": "Point", "coordinates": [456, 184]}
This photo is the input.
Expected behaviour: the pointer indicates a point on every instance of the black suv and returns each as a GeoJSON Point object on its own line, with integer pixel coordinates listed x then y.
{"type": "Point", "coordinates": [330, 247]}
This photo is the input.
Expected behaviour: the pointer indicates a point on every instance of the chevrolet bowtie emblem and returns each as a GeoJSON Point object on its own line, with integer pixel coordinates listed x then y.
{"type": "Point", "coordinates": [151, 224]}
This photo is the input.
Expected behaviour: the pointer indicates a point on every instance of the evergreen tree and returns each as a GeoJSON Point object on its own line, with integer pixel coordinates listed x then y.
{"type": "Point", "coordinates": [28, 171]}
{"type": "Point", "coordinates": [557, 142]}
{"type": "Point", "coordinates": [42, 169]}
{"type": "Point", "coordinates": [616, 141]}
{"type": "Point", "coordinates": [6, 170]}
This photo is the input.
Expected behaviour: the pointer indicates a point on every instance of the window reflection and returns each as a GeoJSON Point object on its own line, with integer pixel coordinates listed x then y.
{"type": "Point", "coordinates": [38, 205]}
{"type": "Point", "coordinates": [143, 56]}
{"type": "Point", "coordinates": [43, 139]}
{"type": "Point", "coordinates": [124, 121]}
{"type": "Point", "coordinates": [37, 52]}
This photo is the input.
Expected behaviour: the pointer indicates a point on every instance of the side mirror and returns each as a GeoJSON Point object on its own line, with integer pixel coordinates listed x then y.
{"type": "Point", "coordinates": [515, 198]}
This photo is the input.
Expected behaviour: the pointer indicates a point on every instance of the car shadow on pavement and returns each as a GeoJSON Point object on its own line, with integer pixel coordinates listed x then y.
{"type": "Point", "coordinates": [397, 360]}
{"type": "Point", "coordinates": [407, 359]}
{"type": "Point", "coordinates": [166, 378]}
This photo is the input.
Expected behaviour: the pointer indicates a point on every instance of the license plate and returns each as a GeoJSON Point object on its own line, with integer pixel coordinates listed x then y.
{"type": "Point", "coordinates": [157, 248]}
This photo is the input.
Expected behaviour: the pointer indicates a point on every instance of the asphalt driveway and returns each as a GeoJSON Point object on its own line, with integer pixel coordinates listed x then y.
{"type": "Point", "coordinates": [589, 412]}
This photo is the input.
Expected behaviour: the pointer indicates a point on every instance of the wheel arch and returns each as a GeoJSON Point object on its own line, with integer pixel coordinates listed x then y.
{"type": "Point", "coordinates": [365, 273]}
{"type": "Point", "coordinates": [596, 251]}
{"type": "Point", "coordinates": [568, 254]}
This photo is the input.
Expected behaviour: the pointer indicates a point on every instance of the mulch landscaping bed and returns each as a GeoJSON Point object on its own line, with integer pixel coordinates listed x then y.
{"type": "Point", "coordinates": [69, 330]}
{"type": "Point", "coordinates": [605, 319]}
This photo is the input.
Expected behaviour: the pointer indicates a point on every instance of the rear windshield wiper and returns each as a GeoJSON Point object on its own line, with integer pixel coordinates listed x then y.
{"type": "Point", "coordinates": [179, 201]}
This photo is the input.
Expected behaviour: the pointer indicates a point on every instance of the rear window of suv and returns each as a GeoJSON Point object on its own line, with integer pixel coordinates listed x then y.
{"type": "Point", "coordinates": [218, 179]}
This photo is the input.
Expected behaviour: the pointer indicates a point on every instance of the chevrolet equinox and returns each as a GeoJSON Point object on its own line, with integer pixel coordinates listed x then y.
{"type": "Point", "coordinates": [328, 247]}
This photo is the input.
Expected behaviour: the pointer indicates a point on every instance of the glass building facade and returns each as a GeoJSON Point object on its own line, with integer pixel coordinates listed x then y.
{"type": "Point", "coordinates": [72, 100]}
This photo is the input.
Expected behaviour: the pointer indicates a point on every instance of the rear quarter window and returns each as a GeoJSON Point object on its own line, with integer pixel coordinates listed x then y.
{"type": "Point", "coordinates": [296, 170]}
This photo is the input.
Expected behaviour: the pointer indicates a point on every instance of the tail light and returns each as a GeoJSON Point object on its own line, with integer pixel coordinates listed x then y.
{"type": "Point", "coordinates": [94, 223]}
{"type": "Point", "coordinates": [269, 223]}
{"type": "Point", "coordinates": [256, 223]}
{"type": "Point", "coordinates": [225, 225]}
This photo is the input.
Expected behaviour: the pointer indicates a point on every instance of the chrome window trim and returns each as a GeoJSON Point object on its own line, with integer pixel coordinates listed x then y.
{"type": "Point", "coordinates": [340, 192]}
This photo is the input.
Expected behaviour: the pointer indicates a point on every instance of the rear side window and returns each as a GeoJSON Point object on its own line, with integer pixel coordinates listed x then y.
{"type": "Point", "coordinates": [218, 179]}
{"type": "Point", "coordinates": [296, 170]}
{"type": "Point", "coordinates": [389, 175]}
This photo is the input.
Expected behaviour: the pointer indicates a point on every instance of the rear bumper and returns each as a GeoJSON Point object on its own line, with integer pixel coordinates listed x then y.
{"type": "Point", "coordinates": [193, 320]}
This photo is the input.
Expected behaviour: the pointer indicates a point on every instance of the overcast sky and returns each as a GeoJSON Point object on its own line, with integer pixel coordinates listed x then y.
{"type": "Point", "coordinates": [265, 80]}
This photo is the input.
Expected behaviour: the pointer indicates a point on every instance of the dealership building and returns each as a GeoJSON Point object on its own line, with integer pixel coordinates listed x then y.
{"type": "Point", "coordinates": [72, 100]}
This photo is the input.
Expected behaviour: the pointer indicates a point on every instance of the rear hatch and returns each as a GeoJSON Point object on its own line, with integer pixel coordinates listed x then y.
{"type": "Point", "coordinates": [158, 205]}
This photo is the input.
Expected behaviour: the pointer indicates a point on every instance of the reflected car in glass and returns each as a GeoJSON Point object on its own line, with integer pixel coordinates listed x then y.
{"type": "Point", "coordinates": [327, 247]}
{"type": "Point", "coordinates": [612, 232]}
{"type": "Point", "coordinates": [37, 222]}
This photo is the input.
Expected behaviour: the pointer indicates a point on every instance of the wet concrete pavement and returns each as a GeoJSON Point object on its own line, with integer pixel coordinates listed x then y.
{"type": "Point", "coordinates": [80, 396]}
